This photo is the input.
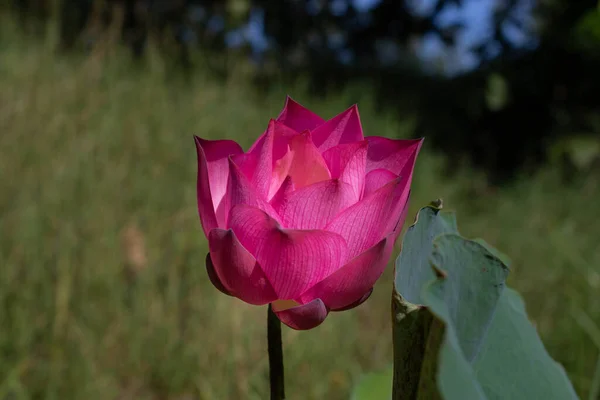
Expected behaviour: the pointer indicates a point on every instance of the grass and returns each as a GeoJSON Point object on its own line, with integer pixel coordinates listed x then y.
{"type": "Point", "coordinates": [103, 290]}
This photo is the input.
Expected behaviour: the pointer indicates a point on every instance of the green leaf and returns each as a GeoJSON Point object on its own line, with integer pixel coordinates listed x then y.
{"type": "Point", "coordinates": [457, 297]}
{"type": "Point", "coordinates": [497, 253]}
{"type": "Point", "coordinates": [458, 333]}
{"type": "Point", "coordinates": [513, 362]}
{"type": "Point", "coordinates": [416, 251]}
{"type": "Point", "coordinates": [376, 385]}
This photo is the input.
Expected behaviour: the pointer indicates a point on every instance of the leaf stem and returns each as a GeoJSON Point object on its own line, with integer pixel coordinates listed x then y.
{"type": "Point", "coordinates": [275, 356]}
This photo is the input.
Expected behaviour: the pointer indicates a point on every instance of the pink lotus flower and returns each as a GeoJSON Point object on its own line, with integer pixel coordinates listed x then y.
{"type": "Point", "coordinates": [307, 218]}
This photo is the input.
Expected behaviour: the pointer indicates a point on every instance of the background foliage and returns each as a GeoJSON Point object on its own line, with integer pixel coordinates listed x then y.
{"type": "Point", "coordinates": [531, 84]}
{"type": "Point", "coordinates": [103, 291]}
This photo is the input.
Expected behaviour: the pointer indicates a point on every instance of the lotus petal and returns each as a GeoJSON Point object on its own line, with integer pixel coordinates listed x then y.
{"type": "Point", "coordinates": [390, 154]}
{"type": "Point", "coordinates": [348, 163]}
{"type": "Point", "coordinates": [293, 260]}
{"type": "Point", "coordinates": [355, 279]}
{"type": "Point", "coordinates": [237, 270]}
{"type": "Point", "coordinates": [343, 128]}
{"type": "Point", "coordinates": [314, 206]}
{"type": "Point", "coordinates": [304, 317]}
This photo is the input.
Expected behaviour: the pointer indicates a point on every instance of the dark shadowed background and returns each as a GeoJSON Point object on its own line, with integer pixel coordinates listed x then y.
{"type": "Point", "coordinates": [103, 291]}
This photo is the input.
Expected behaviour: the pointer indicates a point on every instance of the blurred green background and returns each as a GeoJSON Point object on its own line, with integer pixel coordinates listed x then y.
{"type": "Point", "coordinates": [103, 291]}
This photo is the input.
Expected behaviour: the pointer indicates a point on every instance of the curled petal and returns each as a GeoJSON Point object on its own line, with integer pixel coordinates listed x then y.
{"type": "Point", "coordinates": [377, 179]}
{"type": "Point", "coordinates": [343, 128]}
{"type": "Point", "coordinates": [237, 270]}
{"type": "Point", "coordinates": [307, 166]}
{"type": "Point", "coordinates": [391, 154]}
{"type": "Point", "coordinates": [314, 206]}
{"type": "Point", "coordinates": [304, 317]}
{"type": "Point", "coordinates": [366, 222]}
{"type": "Point", "coordinates": [217, 152]}
{"type": "Point", "coordinates": [293, 260]}
{"type": "Point", "coordinates": [298, 117]}
{"type": "Point", "coordinates": [214, 277]}
{"type": "Point", "coordinates": [357, 303]}
{"type": "Point", "coordinates": [348, 163]}
{"type": "Point", "coordinates": [350, 283]}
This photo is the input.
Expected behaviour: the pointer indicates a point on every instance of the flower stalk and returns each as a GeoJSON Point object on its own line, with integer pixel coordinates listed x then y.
{"type": "Point", "coordinates": [275, 356]}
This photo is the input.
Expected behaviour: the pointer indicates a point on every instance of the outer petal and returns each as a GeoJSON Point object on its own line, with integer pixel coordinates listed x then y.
{"type": "Point", "coordinates": [206, 210]}
{"type": "Point", "coordinates": [391, 240]}
{"type": "Point", "coordinates": [216, 153]}
{"type": "Point", "coordinates": [348, 163]}
{"type": "Point", "coordinates": [390, 154]}
{"type": "Point", "coordinates": [400, 223]}
{"type": "Point", "coordinates": [356, 303]}
{"type": "Point", "coordinates": [304, 317]}
{"type": "Point", "coordinates": [365, 223]}
{"type": "Point", "coordinates": [237, 269]}
{"type": "Point", "coordinates": [400, 201]}
{"type": "Point", "coordinates": [298, 117]}
{"type": "Point", "coordinates": [240, 191]}
{"type": "Point", "coordinates": [293, 260]}
{"type": "Point", "coordinates": [218, 149]}
{"type": "Point", "coordinates": [214, 277]}
{"type": "Point", "coordinates": [343, 128]}
{"type": "Point", "coordinates": [307, 166]}
{"type": "Point", "coordinates": [314, 206]}
{"type": "Point", "coordinates": [376, 179]}
{"type": "Point", "coordinates": [351, 282]}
